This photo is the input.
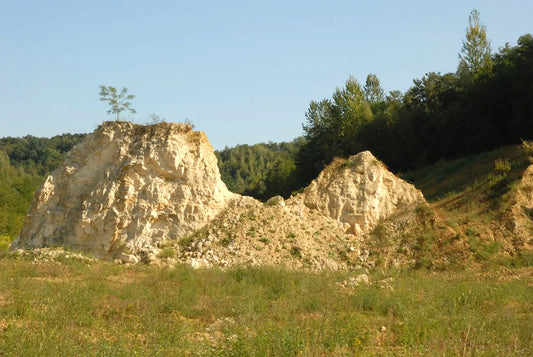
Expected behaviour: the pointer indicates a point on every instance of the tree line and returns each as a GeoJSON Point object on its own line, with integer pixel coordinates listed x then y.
{"type": "Point", "coordinates": [487, 103]}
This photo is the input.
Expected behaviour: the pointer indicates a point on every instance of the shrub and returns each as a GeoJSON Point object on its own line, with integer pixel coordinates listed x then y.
{"type": "Point", "coordinates": [502, 165]}
{"type": "Point", "coordinates": [483, 250]}
{"type": "Point", "coordinates": [527, 147]}
{"type": "Point", "coordinates": [296, 251]}
{"type": "Point", "coordinates": [186, 241]}
{"type": "Point", "coordinates": [226, 241]}
{"type": "Point", "coordinates": [167, 252]}
{"type": "Point", "coordinates": [5, 241]}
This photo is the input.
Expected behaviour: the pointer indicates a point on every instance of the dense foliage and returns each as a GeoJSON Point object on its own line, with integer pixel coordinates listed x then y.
{"type": "Point", "coordinates": [38, 156]}
{"type": "Point", "coordinates": [261, 170]}
{"type": "Point", "coordinates": [442, 116]}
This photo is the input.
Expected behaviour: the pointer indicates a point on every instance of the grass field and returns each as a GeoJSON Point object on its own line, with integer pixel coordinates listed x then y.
{"type": "Point", "coordinates": [481, 305]}
{"type": "Point", "coordinates": [77, 307]}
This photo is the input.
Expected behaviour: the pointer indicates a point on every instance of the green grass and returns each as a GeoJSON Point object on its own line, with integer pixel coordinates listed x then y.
{"type": "Point", "coordinates": [449, 178]}
{"type": "Point", "coordinates": [99, 308]}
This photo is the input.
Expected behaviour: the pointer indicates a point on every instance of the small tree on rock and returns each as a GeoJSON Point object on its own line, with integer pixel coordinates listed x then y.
{"type": "Point", "coordinates": [117, 101]}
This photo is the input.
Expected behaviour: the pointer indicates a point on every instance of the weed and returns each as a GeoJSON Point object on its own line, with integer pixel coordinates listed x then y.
{"type": "Point", "coordinates": [452, 222]}
{"type": "Point", "coordinates": [296, 251]}
{"type": "Point", "coordinates": [513, 185]}
{"type": "Point", "coordinates": [291, 235]}
{"type": "Point", "coordinates": [226, 241]}
{"type": "Point", "coordinates": [424, 210]}
{"type": "Point", "coordinates": [343, 255]}
{"type": "Point", "coordinates": [264, 240]}
{"type": "Point", "coordinates": [167, 252]}
{"type": "Point", "coordinates": [502, 166]}
{"type": "Point", "coordinates": [380, 261]}
{"type": "Point", "coordinates": [425, 248]}
{"type": "Point", "coordinates": [471, 232]}
{"type": "Point", "coordinates": [346, 163]}
{"type": "Point", "coordinates": [483, 251]}
{"type": "Point", "coordinates": [250, 216]}
{"type": "Point", "coordinates": [5, 241]}
{"type": "Point", "coordinates": [520, 260]}
{"type": "Point", "coordinates": [185, 242]}
{"type": "Point", "coordinates": [527, 147]}
{"type": "Point", "coordinates": [380, 231]}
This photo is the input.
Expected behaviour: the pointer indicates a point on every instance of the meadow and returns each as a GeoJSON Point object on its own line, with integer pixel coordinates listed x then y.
{"type": "Point", "coordinates": [69, 306]}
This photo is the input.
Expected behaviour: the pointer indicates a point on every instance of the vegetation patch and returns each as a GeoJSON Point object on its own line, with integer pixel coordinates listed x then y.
{"type": "Point", "coordinates": [167, 253]}
{"type": "Point", "coordinates": [264, 240]}
{"type": "Point", "coordinates": [108, 309]}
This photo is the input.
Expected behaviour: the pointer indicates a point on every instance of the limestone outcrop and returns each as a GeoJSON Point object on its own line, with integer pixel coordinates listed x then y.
{"type": "Point", "coordinates": [127, 187]}
{"type": "Point", "coordinates": [153, 193]}
{"type": "Point", "coordinates": [359, 192]}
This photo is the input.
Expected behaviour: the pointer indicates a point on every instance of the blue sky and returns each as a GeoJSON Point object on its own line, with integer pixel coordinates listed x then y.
{"type": "Point", "coordinates": [242, 71]}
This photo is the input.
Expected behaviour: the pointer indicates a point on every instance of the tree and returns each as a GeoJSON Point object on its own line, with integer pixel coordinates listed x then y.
{"type": "Point", "coordinates": [117, 101]}
{"type": "Point", "coordinates": [373, 91]}
{"type": "Point", "coordinates": [331, 128]}
{"type": "Point", "coordinates": [350, 110]}
{"type": "Point", "coordinates": [475, 56]}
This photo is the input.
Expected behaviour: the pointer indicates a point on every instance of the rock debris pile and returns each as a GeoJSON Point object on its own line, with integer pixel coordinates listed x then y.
{"type": "Point", "coordinates": [154, 194]}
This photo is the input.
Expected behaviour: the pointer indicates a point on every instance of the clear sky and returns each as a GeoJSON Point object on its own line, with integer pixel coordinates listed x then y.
{"type": "Point", "coordinates": [242, 71]}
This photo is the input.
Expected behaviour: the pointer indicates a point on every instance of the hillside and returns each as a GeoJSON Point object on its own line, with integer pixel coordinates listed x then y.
{"type": "Point", "coordinates": [483, 202]}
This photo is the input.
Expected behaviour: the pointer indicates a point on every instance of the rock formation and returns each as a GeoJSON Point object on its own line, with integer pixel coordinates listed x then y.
{"type": "Point", "coordinates": [518, 219]}
{"type": "Point", "coordinates": [359, 192]}
{"type": "Point", "coordinates": [130, 191]}
{"type": "Point", "coordinates": [126, 187]}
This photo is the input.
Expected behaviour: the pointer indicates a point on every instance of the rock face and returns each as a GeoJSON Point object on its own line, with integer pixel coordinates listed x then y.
{"type": "Point", "coordinates": [359, 192]}
{"type": "Point", "coordinates": [154, 193]}
{"type": "Point", "coordinates": [127, 187]}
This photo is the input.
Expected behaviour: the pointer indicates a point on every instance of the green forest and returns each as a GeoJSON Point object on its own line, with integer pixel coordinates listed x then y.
{"type": "Point", "coordinates": [487, 103]}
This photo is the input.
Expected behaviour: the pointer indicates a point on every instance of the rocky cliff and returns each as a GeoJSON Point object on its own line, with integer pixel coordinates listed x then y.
{"type": "Point", "coordinates": [127, 187]}
{"type": "Point", "coordinates": [135, 192]}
